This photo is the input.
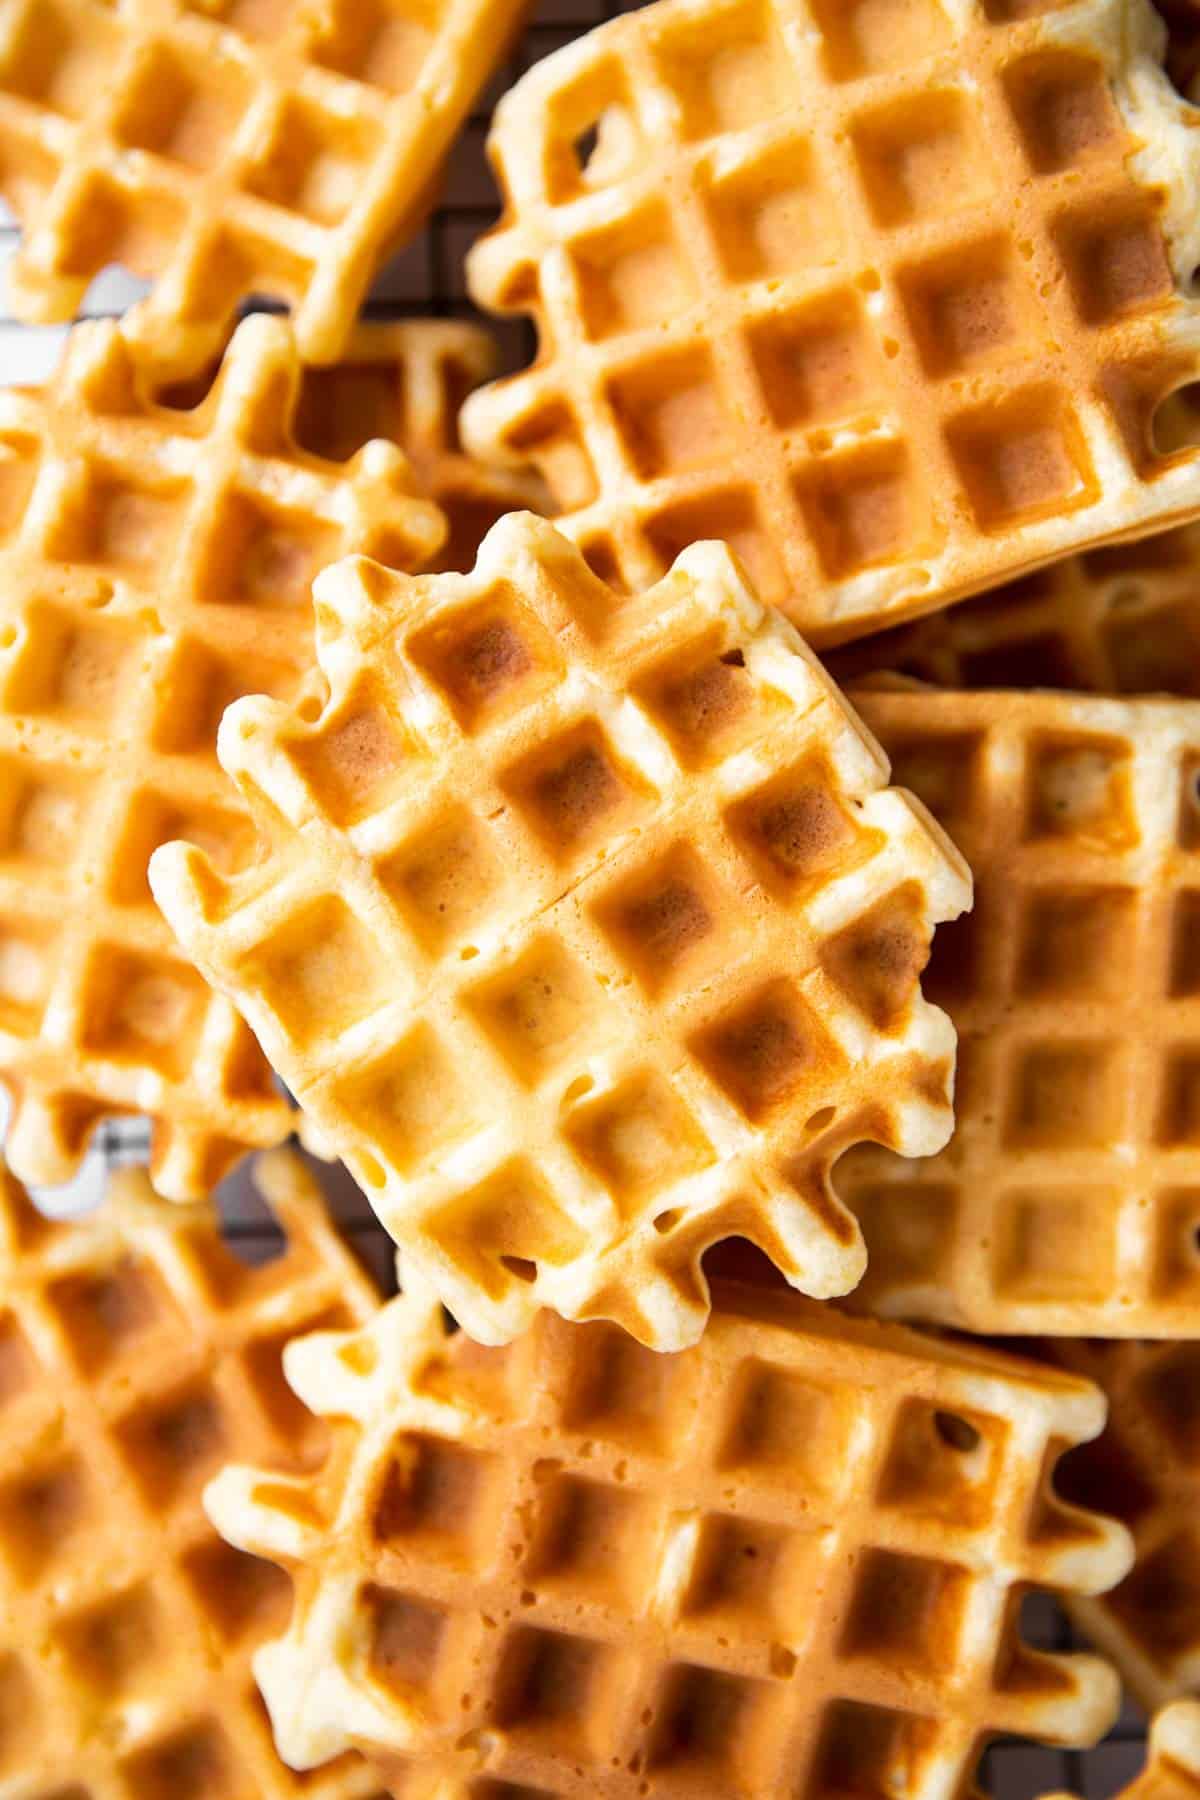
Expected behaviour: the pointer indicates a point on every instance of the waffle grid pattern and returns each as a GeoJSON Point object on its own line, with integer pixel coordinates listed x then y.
{"type": "Point", "coordinates": [901, 433]}
{"type": "Point", "coordinates": [1144, 1470]}
{"type": "Point", "coordinates": [1172, 1770]}
{"type": "Point", "coordinates": [404, 380]}
{"type": "Point", "coordinates": [527, 1529]}
{"type": "Point", "coordinates": [137, 1354]}
{"type": "Point", "coordinates": [523, 796]}
{"type": "Point", "coordinates": [1122, 620]}
{"type": "Point", "coordinates": [1010, 1770]}
{"type": "Point", "coordinates": [156, 564]}
{"type": "Point", "coordinates": [229, 148]}
{"type": "Point", "coordinates": [1076, 994]}
{"type": "Point", "coordinates": [427, 280]}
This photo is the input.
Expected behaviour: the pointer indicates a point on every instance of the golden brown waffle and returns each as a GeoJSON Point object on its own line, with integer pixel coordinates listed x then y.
{"type": "Point", "coordinates": [591, 934]}
{"type": "Point", "coordinates": [1145, 1470]}
{"type": "Point", "coordinates": [405, 380]}
{"type": "Point", "coordinates": [788, 1560]}
{"type": "Point", "coordinates": [1172, 1770]}
{"type": "Point", "coordinates": [154, 564]}
{"type": "Point", "coordinates": [225, 148]}
{"type": "Point", "coordinates": [1122, 620]}
{"type": "Point", "coordinates": [888, 296]}
{"type": "Point", "coordinates": [137, 1355]}
{"type": "Point", "coordinates": [1068, 1201]}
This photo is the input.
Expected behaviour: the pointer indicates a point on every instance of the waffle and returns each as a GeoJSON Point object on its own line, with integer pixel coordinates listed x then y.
{"type": "Point", "coordinates": [137, 1354]}
{"type": "Point", "coordinates": [887, 296]}
{"type": "Point", "coordinates": [405, 381]}
{"type": "Point", "coordinates": [154, 563]}
{"type": "Point", "coordinates": [224, 148]}
{"type": "Point", "coordinates": [1121, 620]}
{"type": "Point", "coordinates": [787, 1560]}
{"type": "Point", "coordinates": [1172, 1770]}
{"type": "Point", "coordinates": [1068, 1201]}
{"type": "Point", "coordinates": [591, 935]}
{"type": "Point", "coordinates": [1145, 1470]}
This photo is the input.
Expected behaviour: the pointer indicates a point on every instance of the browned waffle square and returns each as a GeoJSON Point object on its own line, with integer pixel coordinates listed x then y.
{"type": "Point", "coordinates": [591, 931]}
{"type": "Point", "coordinates": [155, 563]}
{"type": "Point", "coordinates": [1121, 620]}
{"type": "Point", "coordinates": [1145, 1470]}
{"type": "Point", "coordinates": [1068, 1199]}
{"type": "Point", "coordinates": [137, 1354]}
{"type": "Point", "coordinates": [785, 1562]}
{"type": "Point", "coordinates": [227, 148]}
{"type": "Point", "coordinates": [888, 296]}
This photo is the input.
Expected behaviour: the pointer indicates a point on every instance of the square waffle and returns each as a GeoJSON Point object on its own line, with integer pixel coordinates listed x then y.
{"type": "Point", "coordinates": [886, 295]}
{"type": "Point", "coordinates": [405, 380]}
{"type": "Point", "coordinates": [1145, 1470]}
{"type": "Point", "coordinates": [591, 933]}
{"type": "Point", "coordinates": [788, 1560]}
{"type": "Point", "coordinates": [1068, 1200]}
{"type": "Point", "coordinates": [1121, 620]}
{"type": "Point", "coordinates": [136, 1355]}
{"type": "Point", "coordinates": [224, 148]}
{"type": "Point", "coordinates": [155, 563]}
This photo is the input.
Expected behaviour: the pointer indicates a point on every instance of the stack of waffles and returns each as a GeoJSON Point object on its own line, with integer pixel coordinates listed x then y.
{"type": "Point", "coordinates": [731, 1044]}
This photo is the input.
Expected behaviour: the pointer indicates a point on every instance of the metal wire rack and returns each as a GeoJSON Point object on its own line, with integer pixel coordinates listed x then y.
{"type": "Point", "coordinates": [425, 280]}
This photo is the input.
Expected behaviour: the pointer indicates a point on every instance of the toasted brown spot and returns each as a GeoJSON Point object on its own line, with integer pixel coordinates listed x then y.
{"type": "Point", "coordinates": [801, 829]}
{"type": "Point", "coordinates": [761, 1054]}
{"type": "Point", "coordinates": [708, 700]}
{"type": "Point", "coordinates": [574, 795]}
{"type": "Point", "coordinates": [878, 960]}
{"type": "Point", "coordinates": [669, 922]}
{"type": "Point", "coordinates": [492, 657]}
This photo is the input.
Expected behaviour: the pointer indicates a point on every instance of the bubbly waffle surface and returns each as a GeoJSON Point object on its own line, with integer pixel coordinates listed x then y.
{"type": "Point", "coordinates": [787, 1560]}
{"type": "Point", "coordinates": [1145, 1470]}
{"type": "Point", "coordinates": [1121, 620]}
{"type": "Point", "coordinates": [591, 934]}
{"type": "Point", "coordinates": [888, 296]}
{"type": "Point", "coordinates": [137, 1354]}
{"type": "Point", "coordinates": [1068, 1200]}
{"type": "Point", "coordinates": [405, 380]}
{"type": "Point", "coordinates": [155, 563]}
{"type": "Point", "coordinates": [229, 147]}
